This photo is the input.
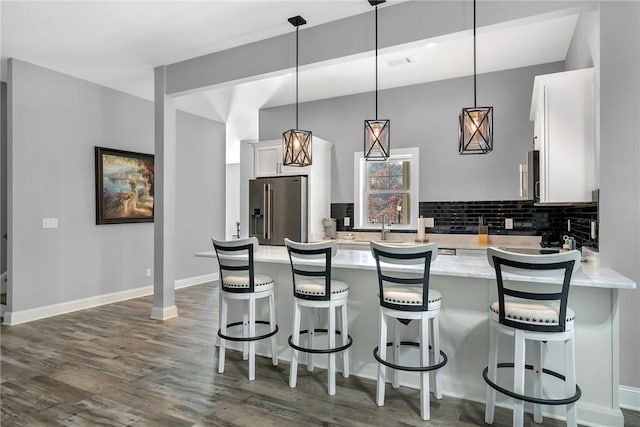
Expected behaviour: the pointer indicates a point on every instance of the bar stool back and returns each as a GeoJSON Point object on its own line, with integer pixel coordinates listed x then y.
{"type": "Point", "coordinates": [531, 314]}
{"type": "Point", "coordinates": [314, 288]}
{"type": "Point", "coordinates": [405, 295]}
{"type": "Point", "coordinates": [240, 282]}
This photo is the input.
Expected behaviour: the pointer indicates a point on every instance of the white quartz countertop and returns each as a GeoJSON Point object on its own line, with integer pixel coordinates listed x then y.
{"type": "Point", "coordinates": [451, 265]}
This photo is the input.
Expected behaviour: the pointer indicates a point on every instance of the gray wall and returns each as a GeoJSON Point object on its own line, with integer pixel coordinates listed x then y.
{"type": "Point", "coordinates": [3, 176]}
{"type": "Point", "coordinates": [426, 116]}
{"type": "Point", "coordinates": [620, 171]}
{"type": "Point", "coordinates": [57, 120]}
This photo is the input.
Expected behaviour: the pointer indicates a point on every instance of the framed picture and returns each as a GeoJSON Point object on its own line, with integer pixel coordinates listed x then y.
{"type": "Point", "coordinates": [124, 186]}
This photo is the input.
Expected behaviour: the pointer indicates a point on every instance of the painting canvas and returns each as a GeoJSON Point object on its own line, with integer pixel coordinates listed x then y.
{"type": "Point", "coordinates": [124, 186]}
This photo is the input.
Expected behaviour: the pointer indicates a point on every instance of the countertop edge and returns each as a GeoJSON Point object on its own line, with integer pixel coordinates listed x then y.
{"type": "Point", "coordinates": [450, 265]}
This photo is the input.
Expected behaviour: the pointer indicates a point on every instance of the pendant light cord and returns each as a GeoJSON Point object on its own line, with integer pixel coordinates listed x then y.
{"type": "Point", "coordinates": [376, 13]}
{"type": "Point", "coordinates": [297, 30]}
{"type": "Point", "coordinates": [474, 55]}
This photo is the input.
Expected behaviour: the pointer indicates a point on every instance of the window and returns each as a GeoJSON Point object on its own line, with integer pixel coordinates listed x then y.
{"type": "Point", "coordinates": [387, 188]}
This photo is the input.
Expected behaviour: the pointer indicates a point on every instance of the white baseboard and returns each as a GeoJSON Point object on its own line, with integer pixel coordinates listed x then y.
{"type": "Point", "coordinates": [164, 313]}
{"type": "Point", "coordinates": [630, 398]}
{"type": "Point", "coordinates": [196, 280]}
{"type": "Point", "coordinates": [29, 315]}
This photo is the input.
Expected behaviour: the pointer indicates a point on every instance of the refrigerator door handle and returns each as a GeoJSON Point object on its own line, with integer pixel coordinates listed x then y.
{"type": "Point", "coordinates": [267, 205]}
{"type": "Point", "coordinates": [265, 228]}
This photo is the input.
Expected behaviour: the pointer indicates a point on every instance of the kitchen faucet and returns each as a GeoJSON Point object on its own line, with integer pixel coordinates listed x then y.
{"type": "Point", "coordinates": [383, 232]}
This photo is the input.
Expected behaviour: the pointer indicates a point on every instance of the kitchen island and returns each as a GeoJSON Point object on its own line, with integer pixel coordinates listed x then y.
{"type": "Point", "coordinates": [467, 285]}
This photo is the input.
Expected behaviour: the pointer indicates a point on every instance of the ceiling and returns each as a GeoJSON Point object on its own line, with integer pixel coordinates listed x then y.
{"type": "Point", "coordinates": [118, 43]}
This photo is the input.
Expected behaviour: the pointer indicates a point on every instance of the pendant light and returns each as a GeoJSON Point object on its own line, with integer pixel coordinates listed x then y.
{"type": "Point", "coordinates": [476, 124]}
{"type": "Point", "coordinates": [296, 143]}
{"type": "Point", "coordinates": [376, 132]}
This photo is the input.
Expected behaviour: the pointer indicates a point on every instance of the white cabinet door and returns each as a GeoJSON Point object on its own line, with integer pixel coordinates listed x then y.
{"type": "Point", "coordinates": [267, 160]}
{"type": "Point", "coordinates": [562, 108]}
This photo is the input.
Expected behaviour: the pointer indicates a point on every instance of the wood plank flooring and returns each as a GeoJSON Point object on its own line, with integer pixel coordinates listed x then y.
{"type": "Point", "coordinates": [114, 366]}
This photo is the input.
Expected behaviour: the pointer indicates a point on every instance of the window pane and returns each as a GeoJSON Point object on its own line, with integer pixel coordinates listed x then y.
{"type": "Point", "coordinates": [391, 175]}
{"type": "Point", "coordinates": [395, 205]}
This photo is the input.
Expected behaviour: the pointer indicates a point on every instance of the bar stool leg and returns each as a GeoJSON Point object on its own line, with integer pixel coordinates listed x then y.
{"type": "Point", "coordinates": [570, 374]}
{"type": "Point", "coordinates": [332, 356]}
{"type": "Point", "coordinates": [272, 325]}
{"type": "Point", "coordinates": [245, 330]}
{"type": "Point", "coordinates": [382, 352]}
{"type": "Point", "coordinates": [293, 373]}
{"type": "Point", "coordinates": [252, 333]}
{"type": "Point", "coordinates": [538, 365]}
{"type": "Point", "coordinates": [490, 406]}
{"type": "Point", "coordinates": [518, 377]}
{"type": "Point", "coordinates": [311, 323]}
{"type": "Point", "coordinates": [344, 324]}
{"type": "Point", "coordinates": [223, 329]}
{"type": "Point", "coordinates": [435, 340]}
{"type": "Point", "coordinates": [424, 359]}
{"type": "Point", "coordinates": [397, 338]}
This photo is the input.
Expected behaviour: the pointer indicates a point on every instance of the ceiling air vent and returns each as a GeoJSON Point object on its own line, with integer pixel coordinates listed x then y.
{"type": "Point", "coordinates": [400, 61]}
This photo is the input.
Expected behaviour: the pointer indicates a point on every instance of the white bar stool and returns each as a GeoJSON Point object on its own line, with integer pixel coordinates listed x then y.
{"type": "Point", "coordinates": [314, 288]}
{"type": "Point", "coordinates": [239, 282]}
{"type": "Point", "coordinates": [403, 289]}
{"type": "Point", "coordinates": [530, 315]}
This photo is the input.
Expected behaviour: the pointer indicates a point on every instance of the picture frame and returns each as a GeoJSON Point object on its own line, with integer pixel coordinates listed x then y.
{"type": "Point", "coordinates": [124, 186]}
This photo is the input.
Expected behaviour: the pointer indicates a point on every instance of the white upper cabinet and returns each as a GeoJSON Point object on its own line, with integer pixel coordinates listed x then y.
{"type": "Point", "coordinates": [268, 158]}
{"type": "Point", "coordinates": [562, 109]}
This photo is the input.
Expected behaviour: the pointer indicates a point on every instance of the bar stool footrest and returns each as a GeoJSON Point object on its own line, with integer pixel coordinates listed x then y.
{"type": "Point", "coordinates": [320, 350]}
{"type": "Point", "coordinates": [242, 339]}
{"type": "Point", "coordinates": [443, 362]}
{"type": "Point", "coordinates": [563, 401]}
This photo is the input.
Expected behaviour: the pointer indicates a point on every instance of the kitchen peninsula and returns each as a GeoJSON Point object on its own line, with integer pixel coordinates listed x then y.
{"type": "Point", "coordinates": [467, 286]}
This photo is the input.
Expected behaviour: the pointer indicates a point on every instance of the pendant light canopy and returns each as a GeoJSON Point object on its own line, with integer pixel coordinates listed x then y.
{"type": "Point", "coordinates": [476, 124]}
{"type": "Point", "coordinates": [296, 143]}
{"type": "Point", "coordinates": [376, 132]}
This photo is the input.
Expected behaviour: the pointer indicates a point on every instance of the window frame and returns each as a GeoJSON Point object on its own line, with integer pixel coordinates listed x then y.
{"type": "Point", "coordinates": [360, 187]}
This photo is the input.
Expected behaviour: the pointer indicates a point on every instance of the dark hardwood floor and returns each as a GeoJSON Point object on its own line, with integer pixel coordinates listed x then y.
{"type": "Point", "coordinates": [112, 365]}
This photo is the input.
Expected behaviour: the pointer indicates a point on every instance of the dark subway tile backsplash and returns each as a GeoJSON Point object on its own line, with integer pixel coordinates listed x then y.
{"type": "Point", "coordinates": [528, 218]}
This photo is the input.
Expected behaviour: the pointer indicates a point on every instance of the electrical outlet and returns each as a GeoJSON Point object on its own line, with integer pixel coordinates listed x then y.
{"type": "Point", "coordinates": [568, 225]}
{"type": "Point", "coordinates": [347, 221]}
{"type": "Point", "coordinates": [508, 223]}
{"type": "Point", "coordinates": [147, 272]}
{"type": "Point", "coordinates": [593, 229]}
{"type": "Point", "coordinates": [49, 222]}
{"type": "Point", "coordinates": [429, 223]}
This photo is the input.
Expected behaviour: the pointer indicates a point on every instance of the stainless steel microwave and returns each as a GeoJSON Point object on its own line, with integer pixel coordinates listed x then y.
{"type": "Point", "coordinates": [530, 177]}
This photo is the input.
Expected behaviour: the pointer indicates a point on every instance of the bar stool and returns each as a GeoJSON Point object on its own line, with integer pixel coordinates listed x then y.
{"type": "Point", "coordinates": [403, 289]}
{"type": "Point", "coordinates": [239, 282]}
{"type": "Point", "coordinates": [314, 289]}
{"type": "Point", "coordinates": [529, 314]}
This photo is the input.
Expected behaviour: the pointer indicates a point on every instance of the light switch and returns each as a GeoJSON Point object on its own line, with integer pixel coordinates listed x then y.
{"type": "Point", "coordinates": [347, 221]}
{"type": "Point", "coordinates": [49, 222]}
{"type": "Point", "coordinates": [508, 223]}
{"type": "Point", "coordinates": [593, 229]}
{"type": "Point", "coordinates": [429, 222]}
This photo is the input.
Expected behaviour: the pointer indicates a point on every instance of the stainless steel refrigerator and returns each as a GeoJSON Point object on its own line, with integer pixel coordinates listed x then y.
{"type": "Point", "coordinates": [278, 209]}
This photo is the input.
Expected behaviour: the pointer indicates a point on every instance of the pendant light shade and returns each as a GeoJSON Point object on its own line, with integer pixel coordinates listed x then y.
{"type": "Point", "coordinates": [296, 143]}
{"type": "Point", "coordinates": [475, 124]}
{"type": "Point", "coordinates": [377, 139]}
